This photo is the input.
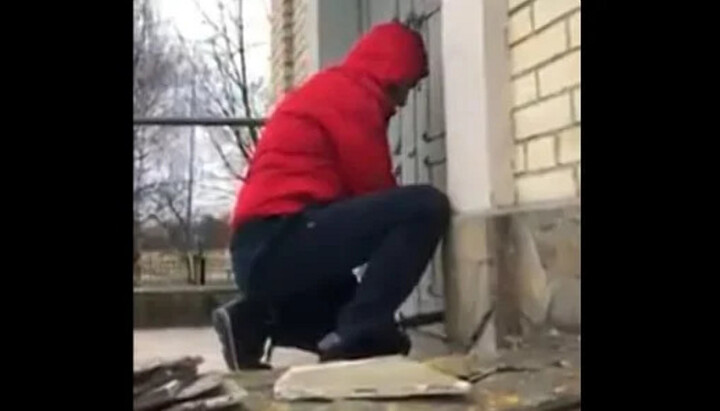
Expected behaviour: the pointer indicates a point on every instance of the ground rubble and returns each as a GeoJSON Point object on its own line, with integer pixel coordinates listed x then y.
{"type": "Point", "coordinates": [175, 385]}
{"type": "Point", "coordinates": [541, 373]}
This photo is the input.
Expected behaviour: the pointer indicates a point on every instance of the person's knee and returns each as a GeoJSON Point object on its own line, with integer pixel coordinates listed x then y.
{"type": "Point", "coordinates": [433, 202]}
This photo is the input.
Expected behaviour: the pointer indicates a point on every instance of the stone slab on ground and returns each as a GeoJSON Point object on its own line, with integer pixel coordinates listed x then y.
{"type": "Point", "coordinates": [259, 386]}
{"type": "Point", "coordinates": [376, 378]}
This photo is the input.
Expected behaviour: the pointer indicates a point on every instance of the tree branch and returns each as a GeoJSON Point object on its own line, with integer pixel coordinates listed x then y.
{"type": "Point", "coordinates": [224, 159]}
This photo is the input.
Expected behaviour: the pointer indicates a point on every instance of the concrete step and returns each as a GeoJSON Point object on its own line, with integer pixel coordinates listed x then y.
{"type": "Point", "coordinates": [178, 306]}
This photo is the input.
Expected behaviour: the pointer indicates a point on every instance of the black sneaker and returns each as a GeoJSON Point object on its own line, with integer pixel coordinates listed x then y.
{"type": "Point", "coordinates": [333, 347]}
{"type": "Point", "coordinates": [242, 328]}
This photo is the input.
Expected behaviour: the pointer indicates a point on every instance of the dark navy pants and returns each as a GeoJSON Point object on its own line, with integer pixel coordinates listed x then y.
{"type": "Point", "coordinates": [305, 261]}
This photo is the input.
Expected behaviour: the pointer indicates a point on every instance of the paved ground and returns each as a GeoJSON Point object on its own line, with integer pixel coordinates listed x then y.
{"type": "Point", "coordinates": [172, 342]}
{"type": "Point", "coordinates": [543, 374]}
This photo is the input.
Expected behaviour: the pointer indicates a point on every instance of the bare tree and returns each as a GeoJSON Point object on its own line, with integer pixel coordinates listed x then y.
{"type": "Point", "coordinates": [153, 80]}
{"type": "Point", "coordinates": [158, 79]}
{"type": "Point", "coordinates": [224, 83]}
{"type": "Point", "coordinates": [168, 76]}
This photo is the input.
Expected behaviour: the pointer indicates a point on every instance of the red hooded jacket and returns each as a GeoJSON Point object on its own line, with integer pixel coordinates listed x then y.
{"type": "Point", "coordinates": [327, 140]}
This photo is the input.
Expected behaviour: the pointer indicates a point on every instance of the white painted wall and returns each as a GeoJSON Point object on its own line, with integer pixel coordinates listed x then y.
{"type": "Point", "coordinates": [479, 144]}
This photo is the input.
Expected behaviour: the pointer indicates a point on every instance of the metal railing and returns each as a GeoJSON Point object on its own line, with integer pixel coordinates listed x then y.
{"type": "Point", "coordinates": [198, 121]}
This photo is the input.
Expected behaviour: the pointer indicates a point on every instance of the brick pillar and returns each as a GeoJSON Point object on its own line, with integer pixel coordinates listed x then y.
{"type": "Point", "coordinates": [281, 46]}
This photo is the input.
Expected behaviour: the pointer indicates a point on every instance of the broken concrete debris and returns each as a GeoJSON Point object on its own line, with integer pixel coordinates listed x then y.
{"type": "Point", "coordinates": [214, 403]}
{"type": "Point", "coordinates": [176, 385]}
{"type": "Point", "coordinates": [158, 373]}
{"type": "Point", "coordinates": [378, 378]}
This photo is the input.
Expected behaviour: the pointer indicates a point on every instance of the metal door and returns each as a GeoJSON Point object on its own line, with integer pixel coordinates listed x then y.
{"type": "Point", "coordinates": [417, 132]}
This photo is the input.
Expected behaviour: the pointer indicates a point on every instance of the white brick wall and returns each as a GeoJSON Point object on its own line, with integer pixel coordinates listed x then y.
{"type": "Point", "coordinates": [546, 11]}
{"type": "Point", "coordinates": [524, 89]}
{"type": "Point", "coordinates": [300, 49]}
{"type": "Point", "coordinates": [289, 63]}
{"type": "Point", "coordinates": [577, 177]}
{"type": "Point", "coordinates": [544, 46]}
{"type": "Point", "coordinates": [539, 48]}
{"type": "Point", "coordinates": [547, 186]}
{"type": "Point", "coordinates": [281, 41]}
{"type": "Point", "coordinates": [541, 153]}
{"type": "Point", "coordinates": [569, 150]}
{"type": "Point", "coordinates": [576, 104]}
{"type": "Point", "coordinates": [560, 74]}
{"type": "Point", "coordinates": [520, 25]}
{"type": "Point", "coordinates": [542, 117]}
{"type": "Point", "coordinates": [574, 24]}
{"type": "Point", "coordinates": [513, 4]}
{"type": "Point", "coordinates": [519, 161]}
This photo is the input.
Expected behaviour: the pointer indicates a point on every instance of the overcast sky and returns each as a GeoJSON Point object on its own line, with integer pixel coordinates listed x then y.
{"type": "Point", "coordinates": [188, 21]}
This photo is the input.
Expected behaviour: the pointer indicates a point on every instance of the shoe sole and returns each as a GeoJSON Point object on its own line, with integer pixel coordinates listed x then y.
{"type": "Point", "coordinates": [223, 328]}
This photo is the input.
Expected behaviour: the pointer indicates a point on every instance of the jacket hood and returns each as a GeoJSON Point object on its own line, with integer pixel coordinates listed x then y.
{"type": "Point", "coordinates": [391, 54]}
